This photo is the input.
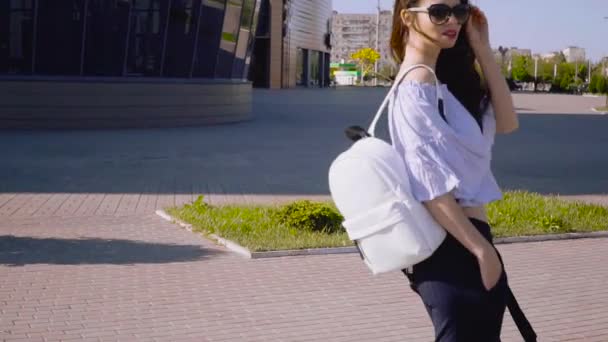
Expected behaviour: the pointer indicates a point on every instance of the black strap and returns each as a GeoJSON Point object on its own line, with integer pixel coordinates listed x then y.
{"type": "Point", "coordinates": [356, 133]}
{"type": "Point", "coordinates": [522, 323]}
{"type": "Point", "coordinates": [442, 110]}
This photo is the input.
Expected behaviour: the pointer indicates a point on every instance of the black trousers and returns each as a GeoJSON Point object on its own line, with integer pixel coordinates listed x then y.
{"type": "Point", "coordinates": [450, 286]}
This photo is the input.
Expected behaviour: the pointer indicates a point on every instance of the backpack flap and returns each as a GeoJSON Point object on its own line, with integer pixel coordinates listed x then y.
{"type": "Point", "coordinates": [388, 237]}
{"type": "Point", "coordinates": [375, 220]}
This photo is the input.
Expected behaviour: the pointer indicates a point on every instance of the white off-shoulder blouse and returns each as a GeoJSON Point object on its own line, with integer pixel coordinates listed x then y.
{"type": "Point", "coordinates": [440, 156]}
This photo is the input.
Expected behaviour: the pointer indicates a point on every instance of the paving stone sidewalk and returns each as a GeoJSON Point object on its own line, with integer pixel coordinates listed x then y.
{"type": "Point", "coordinates": [140, 278]}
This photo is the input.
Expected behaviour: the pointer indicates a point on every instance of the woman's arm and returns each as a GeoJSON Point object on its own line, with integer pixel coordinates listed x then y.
{"type": "Point", "coordinates": [502, 101]}
{"type": "Point", "coordinates": [448, 213]}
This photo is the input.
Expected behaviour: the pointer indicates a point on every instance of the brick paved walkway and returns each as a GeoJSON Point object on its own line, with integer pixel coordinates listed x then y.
{"type": "Point", "coordinates": [139, 278]}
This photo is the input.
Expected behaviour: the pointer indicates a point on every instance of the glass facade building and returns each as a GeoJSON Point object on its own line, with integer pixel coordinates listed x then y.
{"type": "Point", "coordinates": [209, 39]}
{"type": "Point", "coordinates": [153, 63]}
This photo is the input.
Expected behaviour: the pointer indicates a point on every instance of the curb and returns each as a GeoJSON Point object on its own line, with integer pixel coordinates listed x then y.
{"type": "Point", "coordinates": [554, 237]}
{"type": "Point", "coordinates": [299, 252]}
{"type": "Point", "coordinates": [227, 243]}
{"type": "Point", "coordinates": [235, 247]}
{"type": "Point", "coordinates": [598, 111]}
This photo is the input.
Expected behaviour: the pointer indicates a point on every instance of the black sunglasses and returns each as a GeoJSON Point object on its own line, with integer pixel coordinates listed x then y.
{"type": "Point", "coordinates": [441, 13]}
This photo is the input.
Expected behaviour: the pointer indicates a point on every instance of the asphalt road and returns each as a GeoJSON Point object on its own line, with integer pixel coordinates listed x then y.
{"type": "Point", "coordinates": [288, 148]}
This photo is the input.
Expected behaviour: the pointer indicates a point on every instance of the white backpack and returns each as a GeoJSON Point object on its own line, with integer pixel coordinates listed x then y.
{"type": "Point", "coordinates": [370, 187]}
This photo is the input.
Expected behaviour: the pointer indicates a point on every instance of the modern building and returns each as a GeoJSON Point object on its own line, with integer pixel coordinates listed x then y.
{"type": "Point", "coordinates": [574, 54]}
{"type": "Point", "coordinates": [293, 44]}
{"type": "Point", "coordinates": [352, 32]}
{"type": "Point", "coordinates": [134, 63]}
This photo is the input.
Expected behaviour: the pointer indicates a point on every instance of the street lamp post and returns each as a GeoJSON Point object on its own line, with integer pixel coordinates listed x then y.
{"type": "Point", "coordinates": [554, 71]}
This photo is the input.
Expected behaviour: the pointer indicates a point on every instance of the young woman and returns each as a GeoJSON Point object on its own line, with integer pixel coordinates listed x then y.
{"type": "Point", "coordinates": [462, 285]}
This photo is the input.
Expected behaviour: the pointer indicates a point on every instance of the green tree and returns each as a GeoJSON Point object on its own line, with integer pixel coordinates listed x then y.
{"type": "Point", "coordinates": [365, 59]}
{"type": "Point", "coordinates": [602, 87]}
{"type": "Point", "coordinates": [595, 86]}
{"type": "Point", "coordinates": [582, 71]}
{"type": "Point", "coordinates": [521, 67]}
{"type": "Point", "coordinates": [565, 69]}
{"type": "Point", "coordinates": [566, 82]}
{"type": "Point", "coordinates": [597, 69]}
{"type": "Point", "coordinates": [545, 71]}
{"type": "Point", "coordinates": [565, 78]}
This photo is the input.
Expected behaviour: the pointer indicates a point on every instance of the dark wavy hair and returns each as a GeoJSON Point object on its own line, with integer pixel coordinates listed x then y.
{"type": "Point", "coordinates": [455, 66]}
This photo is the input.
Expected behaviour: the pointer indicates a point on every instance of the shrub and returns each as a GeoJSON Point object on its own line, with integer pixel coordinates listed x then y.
{"type": "Point", "coordinates": [312, 216]}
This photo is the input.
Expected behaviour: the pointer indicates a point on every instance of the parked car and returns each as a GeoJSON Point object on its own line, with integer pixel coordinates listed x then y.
{"type": "Point", "coordinates": [513, 85]}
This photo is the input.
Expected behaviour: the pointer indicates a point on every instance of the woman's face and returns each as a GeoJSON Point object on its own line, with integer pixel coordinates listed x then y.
{"type": "Point", "coordinates": [441, 25]}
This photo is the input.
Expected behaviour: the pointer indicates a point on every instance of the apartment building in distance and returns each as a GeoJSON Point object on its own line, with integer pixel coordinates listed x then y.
{"type": "Point", "coordinates": [351, 32]}
{"type": "Point", "coordinates": [574, 54]}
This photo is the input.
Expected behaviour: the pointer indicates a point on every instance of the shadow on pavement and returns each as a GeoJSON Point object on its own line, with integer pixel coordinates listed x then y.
{"type": "Point", "coordinates": [21, 251]}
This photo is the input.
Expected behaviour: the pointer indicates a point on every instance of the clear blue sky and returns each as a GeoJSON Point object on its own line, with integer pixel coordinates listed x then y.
{"type": "Point", "coordinates": [540, 25]}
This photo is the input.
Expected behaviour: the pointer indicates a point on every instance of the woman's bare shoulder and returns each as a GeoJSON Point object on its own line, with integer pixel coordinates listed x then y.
{"type": "Point", "coordinates": [420, 75]}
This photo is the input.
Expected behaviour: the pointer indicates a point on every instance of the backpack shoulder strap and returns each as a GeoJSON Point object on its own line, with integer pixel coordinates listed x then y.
{"type": "Point", "coordinates": [400, 76]}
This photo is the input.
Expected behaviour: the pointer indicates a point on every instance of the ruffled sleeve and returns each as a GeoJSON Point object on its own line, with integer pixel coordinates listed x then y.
{"type": "Point", "coordinates": [430, 174]}
{"type": "Point", "coordinates": [416, 136]}
{"type": "Point", "coordinates": [440, 157]}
